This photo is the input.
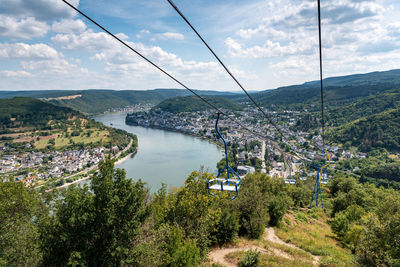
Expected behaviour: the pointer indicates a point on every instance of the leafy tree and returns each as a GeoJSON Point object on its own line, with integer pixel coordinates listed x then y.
{"type": "Point", "coordinates": [95, 226]}
{"type": "Point", "coordinates": [20, 207]}
{"type": "Point", "coordinates": [252, 204]}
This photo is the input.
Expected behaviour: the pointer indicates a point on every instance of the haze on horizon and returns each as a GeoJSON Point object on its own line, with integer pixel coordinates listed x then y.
{"type": "Point", "coordinates": [267, 44]}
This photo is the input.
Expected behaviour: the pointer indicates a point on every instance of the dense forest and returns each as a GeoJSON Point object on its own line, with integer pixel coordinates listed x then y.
{"type": "Point", "coordinates": [375, 131]}
{"type": "Point", "coordinates": [116, 221]}
{"type": "Point", "coordinates": [25, 111]}
{"type": "Point", "coordinates": [367, 106]}
{"type": "Point", "coordinates": [338, 91]}
{"type": "Point", "coordinates": [192, 104]}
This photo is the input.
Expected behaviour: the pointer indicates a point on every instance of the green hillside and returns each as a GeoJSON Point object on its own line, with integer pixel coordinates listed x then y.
{"type": "Point", "coordinates": [375, 131]}
{"type": "Point", "coordinates": [24, 111]}
{"type": "Point", "coordinates": [304, 96]}
{"type": "Point", "coordinates": [44, 126]}
{"type": "Point", "coordinates": [364, 107]}
{"type": "Point", "coordinates": [98, 101]}
{"type": "Point", "coordinates": [372, 78]}
{"type": "Point", "coordinates": [192, 104]}
{"type": "Point", "coordinates": [338, 91]}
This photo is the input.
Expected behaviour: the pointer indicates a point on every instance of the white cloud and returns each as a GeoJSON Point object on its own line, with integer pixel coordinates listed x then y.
{"type": "Point", "coordinates": [142, 33]}
{"type": "Point", "coordinates": [44, 10]}
{"type": "Point", "coordinates": [171, 35]}
{"type": "Point", "coordinates": [87, 41]}
{"type": "Point", "coordinates": [41, 66]}
{"type": "Point", "coordinates": [68, 26]}
{"type": "Point", "coordinates": [39, 58]}
{"type": "Point", "coordinates": [26, 28]}
{"type": "Point", "coordinates": [27, 51]}
{"type": "Point", "coordinates": [11, 73]}
{"type": "Point", "coordinates": [268, 50]}
{"type": "Point", "coordinates": [357, 36]}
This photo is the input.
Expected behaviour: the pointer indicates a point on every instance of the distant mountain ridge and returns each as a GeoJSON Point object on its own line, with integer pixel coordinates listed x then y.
{"type": "Point", "coordinates": [192, 104]}
{"type": "Point", "coordinates": [371, 78]}
{"type": "Point", "coordinates": [338, 90]}
{"type": "Point", "coordinates": [97, 100]}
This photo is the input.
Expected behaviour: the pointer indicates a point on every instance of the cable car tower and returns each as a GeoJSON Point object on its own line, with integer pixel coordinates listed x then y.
{"type": "Point", "coordinates": [321, 179]}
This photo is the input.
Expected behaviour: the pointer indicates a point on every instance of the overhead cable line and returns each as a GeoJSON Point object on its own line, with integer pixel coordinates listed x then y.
{"type": "Point", "coordinates": [224, 66]}
{"type": "Point", "coordinates": [320, 76]}
{"type": "Point", "coordinates": [234, 78]}
{"type": "Point", "coordinates": [162, 70]}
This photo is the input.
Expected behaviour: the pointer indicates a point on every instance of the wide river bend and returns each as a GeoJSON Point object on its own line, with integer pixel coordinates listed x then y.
{"type": "Point", "coordinates": [163, 156]}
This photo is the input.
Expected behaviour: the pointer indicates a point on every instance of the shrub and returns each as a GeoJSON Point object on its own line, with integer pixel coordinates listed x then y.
{"type": "Point", "coordinates": [250, 259]}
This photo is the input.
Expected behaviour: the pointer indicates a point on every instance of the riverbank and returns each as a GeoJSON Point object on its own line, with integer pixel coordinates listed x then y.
{"type": "Point", "coordinates": [163, 156]}
{"type": "Point", "coordinates": [122, 160]}
{"type": "Point", "coordinates": [214, 142]}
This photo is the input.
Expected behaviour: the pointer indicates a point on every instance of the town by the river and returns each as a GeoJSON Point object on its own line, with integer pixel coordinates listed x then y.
{"type": "Point", "coordinates": [164, 156]}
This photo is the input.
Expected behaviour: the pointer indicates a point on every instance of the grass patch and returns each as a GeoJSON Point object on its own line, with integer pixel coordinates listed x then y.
{"type": "Point", "coordinates": [296, 253]}
{"type": "Point", "coordinates": [267, 260]}
{"type": "Point", "coordinates": [303, 258]}
{"type": "Point", "coordinates": [62, 142]}
{"type": "Point", "coordinates": [316, 237]}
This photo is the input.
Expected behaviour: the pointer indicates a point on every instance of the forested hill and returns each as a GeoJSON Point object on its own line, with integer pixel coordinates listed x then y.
{"type": "Point", "coordinates": [338, 90]}
{"type": "Point", "coordinates": [192, 103]}
{"type": "Point", "coordinates": [28, 124]}
{"type": "Point", "coordinates": [376, 131]}
{"type": "Point", "coordinates": [366, 106]}
{"type": "Point", "coordinates": [98, 101]}
{"type": "Point", "coordinates": [25, 111]}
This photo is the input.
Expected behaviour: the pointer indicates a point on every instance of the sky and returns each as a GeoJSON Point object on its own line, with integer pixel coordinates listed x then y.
{"type": "Point", "coordinates": [44, 44]}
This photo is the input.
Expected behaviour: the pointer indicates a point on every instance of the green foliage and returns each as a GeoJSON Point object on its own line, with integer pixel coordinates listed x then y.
{"type": "Point", "coordinates": [95, 226]}
{"type": "Point", "coordinates": [378, 170]}
{"type": "Point", "coordinates": [180, 252]}
{"type": "Point", "coordinates": [99, 101]}
{"type": "Point", "coordinates": [364, 107]}
{"type": "Point", "coordinates": [232, 161]}
{"type": "Point", "coordinates": [192, 104]}
{"type": "Point", "coordinates": [227, 229]}
{"type": "Point", "coordinates": [31, 112]}
{"type": "Point", "coordinates": [250, 259]}
{"type": "Point", "coordinates": [376, 131]}
{"type": "Point", "coordinates": [20, 208]}
{"type": "Point", "coordinates": [307, 95]}
{"type": "Point", "coordinates": [367, 220]}
{"type": "Point", "coordinates": [277, 207]}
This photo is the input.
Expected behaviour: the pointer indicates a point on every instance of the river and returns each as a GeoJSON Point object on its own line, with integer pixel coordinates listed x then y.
{"type": "Point", "coordinates": [163, 156]}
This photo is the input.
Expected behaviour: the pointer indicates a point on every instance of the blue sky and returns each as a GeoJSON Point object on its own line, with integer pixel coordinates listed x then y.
{"type": "Point", "coordinates": [45, 45]}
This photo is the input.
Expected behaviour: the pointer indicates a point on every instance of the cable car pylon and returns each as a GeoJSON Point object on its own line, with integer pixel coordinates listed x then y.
{"type": "Point", "coordinates": [317, 193]}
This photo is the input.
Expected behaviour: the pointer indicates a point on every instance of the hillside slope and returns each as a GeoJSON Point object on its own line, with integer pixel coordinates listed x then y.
{"type": "Point", "coordinates": [24, 111]}
{"type": "Point", "coordinates": [192, 104]}
{"type": "Point", "coordinates": [381, 130]}
{"type": "Point", "coordinates": [366, 106]}
{"type": "Point", "coordinates": [98, 101]}
{"type": "Point", "coordinates": [338, 90]}
{"type": "Point", "coordinates": [31, 124]}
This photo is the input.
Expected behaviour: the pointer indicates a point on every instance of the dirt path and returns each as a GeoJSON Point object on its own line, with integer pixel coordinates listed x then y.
{"type": "Point", "coordinates": [218, 255]}
{"type": "Point", "coordinates": [272, 237]}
